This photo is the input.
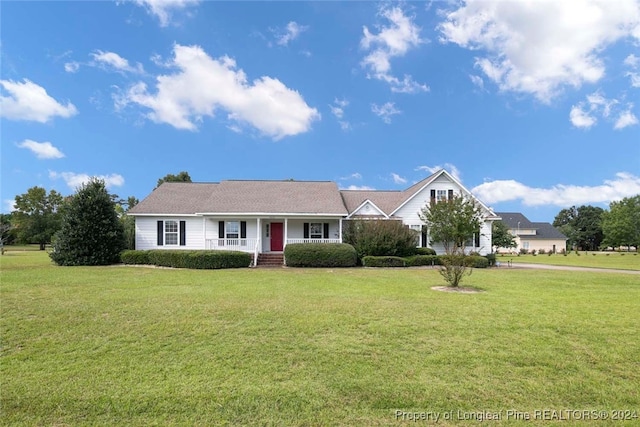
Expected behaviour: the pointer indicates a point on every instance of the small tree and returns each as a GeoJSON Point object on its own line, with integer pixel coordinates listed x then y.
{"type": "Point", "coordinates": [91, 233]}
{"type": "Point", "coordinates": [453, 223]}
{"type": "Point", "coordinates": [621, 224]}
{"type": "Point", "coordinates": [500, 236]}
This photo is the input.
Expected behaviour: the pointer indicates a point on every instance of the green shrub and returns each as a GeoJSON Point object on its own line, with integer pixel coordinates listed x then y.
{"type": "Point", "coordinates": [380, 238]}
{"type": "Point", "coordinates": [475, 261]}
{"type": "Point", "coordinates": [425, 251]}
{"type": "Point", "coordinates": [421, 260]}
{"type": "Point", "coordinates": [135, 257]}
{"type": "Point", "coordinates": [198, 259]}
{"type": "Point", "coordinates": [383, 261]}
{"type": "Point", "coordinates": [320, 255]}
{"type": "Point", "coordinates": [491, 258]}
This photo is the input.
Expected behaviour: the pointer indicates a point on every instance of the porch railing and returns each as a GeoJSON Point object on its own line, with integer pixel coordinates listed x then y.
{"type": "Point", "coordinates": [247, 245]}
{"type": "Point", "coordinates": [313, 241]}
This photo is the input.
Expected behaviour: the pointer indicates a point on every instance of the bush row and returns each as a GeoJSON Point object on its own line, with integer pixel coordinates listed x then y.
{"type": "Point", "coordinates": [475, 261]}
{"type": "Point", "coordinates": [188, 259]}
{"type": "Point", "coordinates": [320, 255]}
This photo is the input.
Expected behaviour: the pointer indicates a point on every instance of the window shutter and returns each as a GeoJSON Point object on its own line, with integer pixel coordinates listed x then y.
{"type": "Point", "coordinates": [183, 233]}
{"type": "Point", "coordinates": [450, 195]}
{"type": "Point", "coordinates": [325, 231]}
{"type": "Point", "coordinates": [424, 237]}
{"type": "Point", "coordinates": [306, 230]}
{"type": "Point", "coordinates": [221, 229]}
{"type": "Point", "coordinates": [433, 196]}
{"type": "Point", "coordinates": [477, 239]}
{"type": "Point", "coordinates": [243, 229]}
{"type": "Point", "coordinates": [160, 233]}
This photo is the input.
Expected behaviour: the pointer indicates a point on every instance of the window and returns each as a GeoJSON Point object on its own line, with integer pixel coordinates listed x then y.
{"type": "Point", "coordinates": [268, 230]}
{"type": "Point", "coordinates": [441, 195]}
{"type": "Point", "coordinates": [315, 230]}
{"type": "Point", "coordinates": [170, 232]}
{"type": "Point", "coordinates": [233, 230]}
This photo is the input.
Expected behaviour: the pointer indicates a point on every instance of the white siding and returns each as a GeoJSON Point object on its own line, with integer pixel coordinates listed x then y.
{"type": "Point", "coordinates": [147, 238]}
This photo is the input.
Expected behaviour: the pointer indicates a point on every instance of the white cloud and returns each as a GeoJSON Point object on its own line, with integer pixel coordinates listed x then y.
{"type": "Point", "coordinates": [290, 33]}
{"type": "Point", "coordinates": [163, 9]}
{"type": "Point", "coordinates": [337, 109]}
{"type": "Point", "coordinates": [580, 118]}
{"type": "Point", "coordinates": [111, 60]}
{"type": "Point", "coordinates": [385, 111]}
{"type": "Point", "coordinates": [626, 118]}
{"type": "Point", "coordinates": [633, 62]}
{"type": "Point", "coordinates": [585, 114]}
{"type": "Point", "coordinates": [9, 205]}
{"type": "Point", "coordinates": [449, 167]}
{"type": "Point", "coordinates": [624, 185]}
{"type": "Point", "coordinates": [203, 85]}
{"type": "Point", "coordinates": [72, 67]}
{"type": "Point", "coordinates": [392, 41]}
{"type": "Point", "coordinates": [42, 150]}
{"type": "Point", "coordinates": [29, 101]}
{"type": "Point", "coordinates": [355, 175]}
{"type": "Point", "coordinates": [540, 47]}
{"type": "Point", "coordinates": [398, 179]}
{"type": "Point", "coordinates": [359, 187]}
{"type": "Point", "coordinates": [75, 180]}
{"type": "Point", "coordinates": [477, 81]}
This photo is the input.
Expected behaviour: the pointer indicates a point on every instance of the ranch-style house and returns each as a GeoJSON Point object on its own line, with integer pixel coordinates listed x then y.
{"type": "Point", "coordinates": [262, 217]}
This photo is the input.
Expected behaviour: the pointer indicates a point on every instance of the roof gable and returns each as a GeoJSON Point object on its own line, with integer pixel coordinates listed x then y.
{"type": "Point", "coordinates": [368, 209]}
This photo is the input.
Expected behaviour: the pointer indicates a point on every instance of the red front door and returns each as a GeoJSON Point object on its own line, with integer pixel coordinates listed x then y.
{"type": "Point", "coordinates": [276, 236]}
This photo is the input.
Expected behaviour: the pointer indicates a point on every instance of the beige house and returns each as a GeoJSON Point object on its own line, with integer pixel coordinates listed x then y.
{"type": "Point", "coordinates": [532, 236]}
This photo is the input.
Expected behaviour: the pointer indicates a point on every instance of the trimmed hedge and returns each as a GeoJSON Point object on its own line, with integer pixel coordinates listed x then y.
{"type": "Point", "coordinates": [201, 259]}
{"type": "Point", "coordinates": [320, 255]}
{"type": "Point", "coordinates": [384, 261]}
{"type": "Point", "coordinates": [135, 257]}
{"type": "Point", "coordinates": [422, 260]}
{"type": "Point", "coordinates": [474, 261]}
{"type": "Point", "coordinates": [425, 251]}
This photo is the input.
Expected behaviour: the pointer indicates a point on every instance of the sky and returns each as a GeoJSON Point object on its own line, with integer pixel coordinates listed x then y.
{"type": "Point", "coordinates": [533, 105]}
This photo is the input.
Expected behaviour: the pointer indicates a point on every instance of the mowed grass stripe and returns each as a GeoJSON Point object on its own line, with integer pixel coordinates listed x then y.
{"type": "Point", "coordinates": [126, 345]}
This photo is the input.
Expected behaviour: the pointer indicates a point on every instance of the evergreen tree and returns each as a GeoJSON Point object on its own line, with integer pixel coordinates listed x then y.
{"type": "Point", "coordinates": [91, 233]}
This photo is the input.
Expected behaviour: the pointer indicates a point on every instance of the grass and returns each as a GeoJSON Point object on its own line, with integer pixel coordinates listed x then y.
{"type": "Point", "coordinates": [143, 346]}
{"type": "Point", "coordinates": [616, 260]}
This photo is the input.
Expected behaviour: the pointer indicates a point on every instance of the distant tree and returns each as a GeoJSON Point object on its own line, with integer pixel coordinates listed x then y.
{"type": "Point", "coordinates": [36, 217]}
{"type": "Point", "coordinates": [453, 223]}
{"type": "Point", "coordinates": [621, 224]}
{"type": "Point", "coordinates": [91, 233]}
{"type": "Point", "coordinates": [181, 177]}
{"type": "Point", "coordinates": [501, 237]}
{"type": "Point", "coordinates": [6, 236]}
{"type": "Point", "coordinates": [128, 222]}
{"type": "Point", "coordinates": [582, 226]}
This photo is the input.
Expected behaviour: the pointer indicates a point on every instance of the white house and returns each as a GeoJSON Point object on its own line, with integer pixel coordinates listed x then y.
{"type": "Point", "coordinates": [262, 217]}
{"type": "Point", "coordinates": [532, 236]}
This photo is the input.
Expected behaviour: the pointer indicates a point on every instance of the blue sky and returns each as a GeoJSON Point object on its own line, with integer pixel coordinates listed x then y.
{"type": "Point", "coordinates": [533, 105]}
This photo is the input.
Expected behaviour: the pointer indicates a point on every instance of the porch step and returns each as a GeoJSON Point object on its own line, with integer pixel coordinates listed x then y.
{"type": "Point", "coordinates": [270, 260]}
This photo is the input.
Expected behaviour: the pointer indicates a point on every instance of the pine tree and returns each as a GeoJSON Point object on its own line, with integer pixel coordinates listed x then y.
{"type": "Point", "coordinates": [91, 233]}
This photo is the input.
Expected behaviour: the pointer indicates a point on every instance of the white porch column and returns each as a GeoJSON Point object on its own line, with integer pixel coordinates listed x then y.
{"type": "Point", "coordinates": [340, 229]}
{"type": "Point", "coordinates": [204, 231]}
{"type": "Point", "coordinates": [259, 236]}
{"type": "Point", "coordinates": [286, 233]}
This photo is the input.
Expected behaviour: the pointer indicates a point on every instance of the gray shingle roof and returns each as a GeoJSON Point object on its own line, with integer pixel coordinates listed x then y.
{"type": "Point", "coordinates": [303, 197]}
{"type": "Point", "coordinates": [387, 201]}
{"type": "Point", "coordinates": [544, 230]}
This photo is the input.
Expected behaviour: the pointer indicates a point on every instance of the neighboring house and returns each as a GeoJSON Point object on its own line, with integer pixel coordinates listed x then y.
{"type": "Point", "coordinates": [532, 235]}
{"type": "Point", "coordinates": [264, 216]}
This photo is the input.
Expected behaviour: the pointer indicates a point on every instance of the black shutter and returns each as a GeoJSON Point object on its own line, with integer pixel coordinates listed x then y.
{"type": "Point", "coordinates": [325, 231]}
{"type": "Point", "coordinates": [221, 229]}
{"type": "Point", "coordinates": [160, 233]}
{"type": "Point", "coordinates": [424, 237]}
{"type": "Point", "coordinates": [243, 229]}
{"type": "Point", "coordinates": [183, 233]}
{"type": "Point", "coordinates": [433, 196]}
{"type": "Point", "coordinates": [306, 230]}
{"type": "Point", "coordinates": [477, 239]}
{"type": "Point", "coordinates": [450, 196]}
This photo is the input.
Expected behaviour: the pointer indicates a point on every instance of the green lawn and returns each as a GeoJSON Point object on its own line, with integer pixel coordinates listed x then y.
{"type": "Point", "coordinates": [143, 346]}
{"type": "Point", "coordinates": [618, 260]}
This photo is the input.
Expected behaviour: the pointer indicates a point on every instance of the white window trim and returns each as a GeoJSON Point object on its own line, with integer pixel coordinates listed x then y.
{"type": "Point", "coordinates": [171, 234]}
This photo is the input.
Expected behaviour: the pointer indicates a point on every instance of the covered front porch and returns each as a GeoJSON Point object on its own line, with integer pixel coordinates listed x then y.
{"type": "Point", "coordinates": [269, 233]}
